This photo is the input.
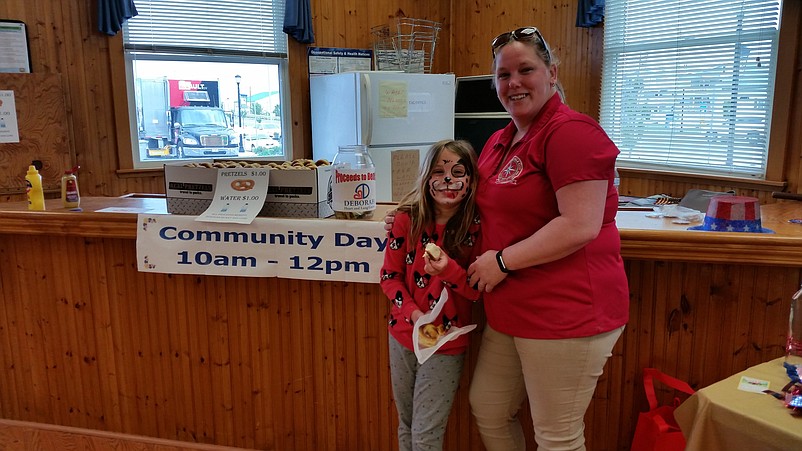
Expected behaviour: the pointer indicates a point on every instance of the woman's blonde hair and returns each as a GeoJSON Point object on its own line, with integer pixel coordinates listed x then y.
{"type": "Point", "coordinates": [420, 205]}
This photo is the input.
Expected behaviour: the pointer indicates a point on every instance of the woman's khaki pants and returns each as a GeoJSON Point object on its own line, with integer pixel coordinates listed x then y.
{"type": "Point", "coordinates": [559, 377]}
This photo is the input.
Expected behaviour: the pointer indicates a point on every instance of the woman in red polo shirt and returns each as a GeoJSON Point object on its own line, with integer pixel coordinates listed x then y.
{"type": "Point", "coordinates": [555, 292]}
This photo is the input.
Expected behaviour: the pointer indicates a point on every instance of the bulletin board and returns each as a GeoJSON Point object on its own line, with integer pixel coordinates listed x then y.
{"type": "Point", "coordinates": [43, 132]}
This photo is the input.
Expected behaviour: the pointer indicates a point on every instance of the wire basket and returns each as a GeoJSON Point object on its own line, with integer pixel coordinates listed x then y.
{"type": "Point", "coordinates": [410, 49]}
{"type": "Point", "coordinates": [385, 55]}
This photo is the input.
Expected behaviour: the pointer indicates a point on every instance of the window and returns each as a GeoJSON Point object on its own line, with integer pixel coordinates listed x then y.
{"type": "Point", "coordinates": [206, 79]}
{"type": "Point", "coordinates": [688, 84]}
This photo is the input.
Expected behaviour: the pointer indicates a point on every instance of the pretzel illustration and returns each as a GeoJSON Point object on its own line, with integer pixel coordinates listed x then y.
{"type": "Point", "coordinates": [242, 184]}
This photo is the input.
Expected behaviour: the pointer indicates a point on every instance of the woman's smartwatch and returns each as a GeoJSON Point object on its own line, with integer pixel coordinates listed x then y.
{"type": "Point", "coordinates": [500, 261]}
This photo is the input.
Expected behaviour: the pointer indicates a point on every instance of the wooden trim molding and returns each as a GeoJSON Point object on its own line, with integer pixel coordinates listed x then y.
{"type": "Point", "coordinates": [689, 177]}
{"type": "Point", "coordinates": [710, 247]}
{"type": "Point", "coordinates": [41, 436]}
{"type": "Point", "coordinates": [785, 78]}
{"type": "Point", "coordinates": [122, 120]}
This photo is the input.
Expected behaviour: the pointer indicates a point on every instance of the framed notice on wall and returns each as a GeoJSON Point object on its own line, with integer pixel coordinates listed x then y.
{"type": "Point", "coordinates": [15, 56]}
{"type": "Point", "coordinates": [325, 60]}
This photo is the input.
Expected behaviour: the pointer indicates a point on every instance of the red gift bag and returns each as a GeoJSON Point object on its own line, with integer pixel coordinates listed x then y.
{"type": "Point", "coordinates": [657, 430]}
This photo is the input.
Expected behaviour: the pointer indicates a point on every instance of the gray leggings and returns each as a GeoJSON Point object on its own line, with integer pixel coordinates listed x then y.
{"type": "Point", "coordinates": [423, 396]}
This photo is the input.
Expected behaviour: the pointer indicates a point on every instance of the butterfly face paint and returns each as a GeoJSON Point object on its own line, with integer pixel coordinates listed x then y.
{"type": "Point", "coordinates": [449, 180]}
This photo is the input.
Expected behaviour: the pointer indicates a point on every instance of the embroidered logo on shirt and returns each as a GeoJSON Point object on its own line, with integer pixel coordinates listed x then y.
{"type": "Point", "coordinates": [510, 172]}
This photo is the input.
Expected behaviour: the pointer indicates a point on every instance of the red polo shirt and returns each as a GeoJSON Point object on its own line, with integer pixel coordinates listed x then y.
{"type": "Point", "coordinates": [582, 294]}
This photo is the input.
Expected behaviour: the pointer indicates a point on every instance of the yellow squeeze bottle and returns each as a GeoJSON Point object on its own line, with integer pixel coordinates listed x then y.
{"type": "Point", "coordinates": [33, 182]}
{"type": "Point", "coordinates": [70, 197]}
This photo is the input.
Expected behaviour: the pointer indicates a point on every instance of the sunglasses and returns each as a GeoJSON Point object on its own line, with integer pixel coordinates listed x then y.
{"type": "Point", "coordinates": [521, 34]}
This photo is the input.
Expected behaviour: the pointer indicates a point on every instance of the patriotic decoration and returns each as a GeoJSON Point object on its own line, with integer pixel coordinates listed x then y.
{"type": "Point", "coordinates": [733, 214]}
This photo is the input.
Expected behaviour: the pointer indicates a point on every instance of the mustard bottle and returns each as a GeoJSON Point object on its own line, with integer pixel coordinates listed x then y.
{"type": "Point", "coordinates": [36, 196]}
{"type": "Point", "coordinates": [70, 197]}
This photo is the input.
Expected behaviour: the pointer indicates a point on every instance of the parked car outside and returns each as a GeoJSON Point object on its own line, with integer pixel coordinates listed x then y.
{"type": "Point", "coordinates": [260, 139]}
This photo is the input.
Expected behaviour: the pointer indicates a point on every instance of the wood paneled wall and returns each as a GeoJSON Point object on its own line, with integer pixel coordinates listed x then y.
{"type": "Point", "coordinates": [42, 125]}
{"type": "Point", "coordinates": [578, 49]}
{"type": "Point", "coordinates": [64, 40]}
{"type": "Point", "coordinates": [88, 341]}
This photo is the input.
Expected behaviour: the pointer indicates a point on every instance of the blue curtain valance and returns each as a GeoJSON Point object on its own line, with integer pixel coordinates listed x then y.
{"type": "Point", "coordinates": [111, 14]}
{"type": "Point", "coordinates": [589, 13]}
{"type": "Point", "coordinates": [298, 21]}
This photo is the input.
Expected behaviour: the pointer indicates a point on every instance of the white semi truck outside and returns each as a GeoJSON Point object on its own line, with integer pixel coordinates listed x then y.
{"type": "Point", "coordinates": [183, 118]}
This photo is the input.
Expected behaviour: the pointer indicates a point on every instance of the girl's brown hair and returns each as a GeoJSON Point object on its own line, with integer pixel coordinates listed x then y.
{"type": "Point", "coordinates": [420, 205]}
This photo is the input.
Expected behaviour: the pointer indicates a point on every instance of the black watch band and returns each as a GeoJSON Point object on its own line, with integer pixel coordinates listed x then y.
{"type": "Point", "coordinates": [500, 262]}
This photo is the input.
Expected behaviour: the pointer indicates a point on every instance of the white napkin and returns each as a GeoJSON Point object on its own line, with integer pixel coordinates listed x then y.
{"type": "Point", "coordinates": [423, 354]}
{"type": "Point", "coordinates": [679, 214]}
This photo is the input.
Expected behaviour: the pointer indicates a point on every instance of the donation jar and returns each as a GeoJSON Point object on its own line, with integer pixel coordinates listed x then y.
{"type": "Point", "coordinates": [353, 183]}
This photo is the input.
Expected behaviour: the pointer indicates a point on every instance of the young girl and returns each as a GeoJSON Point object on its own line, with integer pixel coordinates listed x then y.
{"type": "Point", "coordinates": [440, 210]}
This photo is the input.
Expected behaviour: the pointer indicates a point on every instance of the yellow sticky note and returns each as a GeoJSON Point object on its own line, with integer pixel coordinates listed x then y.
{"type": "Point", "coordinates": [393, 99]}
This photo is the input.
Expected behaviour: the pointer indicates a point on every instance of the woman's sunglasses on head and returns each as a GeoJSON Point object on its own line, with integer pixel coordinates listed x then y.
{"type": "Point", "coordinates": [521, 34]}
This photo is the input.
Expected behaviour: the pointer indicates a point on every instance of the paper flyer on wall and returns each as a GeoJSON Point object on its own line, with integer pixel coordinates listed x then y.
{"type": "Point", "coordinates": [9, 131]}
{"type": "Point", "coordinates": [325, 60]}
{"type": "Point", "coordinates": [422, 352]}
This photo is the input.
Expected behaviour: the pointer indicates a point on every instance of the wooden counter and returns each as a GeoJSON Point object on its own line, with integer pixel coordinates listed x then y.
{"type": "Point", "coordinates": [87, 341]}
{"type": "Point", "coordinates": [15, 218]}
{"type": "Point", "coordinates": [642, 237]}
{"type": "Point", "coordinates": [656, 238]}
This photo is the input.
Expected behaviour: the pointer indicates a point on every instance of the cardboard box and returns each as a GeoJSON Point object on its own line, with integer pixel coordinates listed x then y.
{"type": "Point", "coordinates": [290, 193]}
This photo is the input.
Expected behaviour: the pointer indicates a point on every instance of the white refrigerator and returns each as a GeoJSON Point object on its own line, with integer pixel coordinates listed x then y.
{"type": "Point", "coordinates": [397, 115]}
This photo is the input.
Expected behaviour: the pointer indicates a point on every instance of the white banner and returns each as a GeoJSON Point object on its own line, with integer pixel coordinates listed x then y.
{"type": "Point", "coordinates": [312, 249]}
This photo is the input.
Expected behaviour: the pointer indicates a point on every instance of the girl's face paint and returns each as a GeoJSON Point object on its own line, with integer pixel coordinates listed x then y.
{"type": "Point", "coordinates": [449, 180]}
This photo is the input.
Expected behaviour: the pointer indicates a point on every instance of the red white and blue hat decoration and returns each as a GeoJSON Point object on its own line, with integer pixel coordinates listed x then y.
{"type": "Point", "coordinates": [733, 214]}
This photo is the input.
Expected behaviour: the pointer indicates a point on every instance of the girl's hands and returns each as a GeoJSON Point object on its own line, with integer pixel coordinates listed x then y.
{"type": "Point", "coordinates": [435, 267]}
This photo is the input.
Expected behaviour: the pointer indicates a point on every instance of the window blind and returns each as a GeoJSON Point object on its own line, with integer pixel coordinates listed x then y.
{"type": "Point", "coordinates": [212, 27]}
{"type": "Point", "coordinates": [688, 84]}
